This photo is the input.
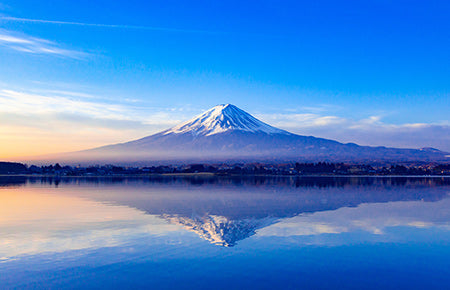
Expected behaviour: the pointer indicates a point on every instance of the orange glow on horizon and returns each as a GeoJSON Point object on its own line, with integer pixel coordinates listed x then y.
{"type": "Point", "coordinates": [27, 144]}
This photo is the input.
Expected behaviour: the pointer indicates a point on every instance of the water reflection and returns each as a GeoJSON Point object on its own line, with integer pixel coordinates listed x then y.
{"type": "Point", "coordinates": [43, 214]}
{"type": "Point", "coordinates": [296, 181]}
{"type": "Point", "coordinates": [224, 233]}
{"type": "Point", "coordinates": [39, 220]}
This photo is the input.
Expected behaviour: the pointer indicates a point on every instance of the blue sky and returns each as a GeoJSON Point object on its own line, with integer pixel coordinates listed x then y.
{"type": "Point", "coordinates": [93, 73]}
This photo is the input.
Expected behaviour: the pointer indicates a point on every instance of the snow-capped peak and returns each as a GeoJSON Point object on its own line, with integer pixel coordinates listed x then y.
{"type": "Point", "coordinates": [223, 118]}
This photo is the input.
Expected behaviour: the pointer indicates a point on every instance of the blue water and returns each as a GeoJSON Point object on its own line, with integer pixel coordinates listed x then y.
{"type": "Point", "coordinates": [225, 233]}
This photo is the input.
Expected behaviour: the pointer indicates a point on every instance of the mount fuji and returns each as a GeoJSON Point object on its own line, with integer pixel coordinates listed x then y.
{"type": "Point", "coordinates": [227, 133]}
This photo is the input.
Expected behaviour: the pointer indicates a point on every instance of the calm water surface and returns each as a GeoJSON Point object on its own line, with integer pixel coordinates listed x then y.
{"type": "Point", "coordinates": [225, 233]}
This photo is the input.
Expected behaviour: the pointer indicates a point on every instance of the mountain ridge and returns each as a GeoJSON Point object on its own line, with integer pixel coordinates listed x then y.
{"type": "Point", "coordinates": [226, 132]}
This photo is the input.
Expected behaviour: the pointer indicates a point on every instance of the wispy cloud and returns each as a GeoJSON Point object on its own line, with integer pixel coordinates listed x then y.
{"type": "Point", "coordinates": [19, 102]}
{"type": "Point", "coordinates": [101, 25]}
{"type": "Point", "coordinates": [28, 44]}
{"type": "Point", "coordinates": [301, 120]}
{"type": "Point", "coordinates": [81, 106]}
{"type": "Point", "coordinates": [316, 109]}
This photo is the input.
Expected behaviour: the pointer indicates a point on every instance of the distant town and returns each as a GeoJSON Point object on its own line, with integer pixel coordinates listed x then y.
{"type": "Point", "coordinates": [319, 168]}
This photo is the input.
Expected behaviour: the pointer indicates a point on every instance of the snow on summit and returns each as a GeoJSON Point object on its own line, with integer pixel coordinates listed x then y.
{"type": "Point", "coordinates": [223, 118]}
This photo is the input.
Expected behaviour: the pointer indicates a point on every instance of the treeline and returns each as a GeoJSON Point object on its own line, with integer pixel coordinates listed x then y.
{"type": "Point", "coordinates": [12, 168]}
{"type": "Point", "coordinates": [319, 168]}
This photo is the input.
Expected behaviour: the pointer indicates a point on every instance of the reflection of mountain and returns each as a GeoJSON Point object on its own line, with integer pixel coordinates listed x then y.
{"type": "Point", "coordinates": [226, 210]}
{"type": "Point", "coordinates": [220, 230]}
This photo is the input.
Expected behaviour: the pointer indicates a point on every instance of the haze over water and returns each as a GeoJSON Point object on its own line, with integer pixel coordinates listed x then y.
{"type": "Point", "coordinates": [258, 232]}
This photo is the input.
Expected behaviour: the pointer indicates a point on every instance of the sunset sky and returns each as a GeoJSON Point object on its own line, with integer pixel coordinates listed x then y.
{"type": "Point", "coordinates": [80, 74]}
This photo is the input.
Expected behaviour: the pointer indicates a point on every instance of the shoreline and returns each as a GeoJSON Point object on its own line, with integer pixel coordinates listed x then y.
{"type": "Point", "coordinates": [208, 174]}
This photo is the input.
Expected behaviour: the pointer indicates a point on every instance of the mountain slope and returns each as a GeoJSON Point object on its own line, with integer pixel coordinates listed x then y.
{"type": "Point", "coordinates": [223, 118]}
{"type": "Point", "coordinates": [226, 132]}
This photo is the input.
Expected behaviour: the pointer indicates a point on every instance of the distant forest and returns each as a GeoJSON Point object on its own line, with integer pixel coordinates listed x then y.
{"type": "Point", "coordinates": [319, 168]}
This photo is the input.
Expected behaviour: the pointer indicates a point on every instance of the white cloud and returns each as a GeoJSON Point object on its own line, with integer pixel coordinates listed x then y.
{"type": "Point", "coordinates": [21, 102]}
{"type": "Point", "coordinates": [58, 109]}
{"type": "Point", "coordinates": [28, 44]}
{"type": "Point", "coordinates": [316, 109]}
{"type": "Point", "coordinates": [300, 120]}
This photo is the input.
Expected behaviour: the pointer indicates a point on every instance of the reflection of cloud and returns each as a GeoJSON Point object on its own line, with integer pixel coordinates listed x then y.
{"type": "Point", "coordinates": [33, 45]}
{"type": "Point", "coordinates": [293, 227]}
{"type": "Point", "coordinates": [372, 218]}
{"type": "Point", "coordinates": [368, 131]}
{"type": "Point", "coordinates": [35, 221]}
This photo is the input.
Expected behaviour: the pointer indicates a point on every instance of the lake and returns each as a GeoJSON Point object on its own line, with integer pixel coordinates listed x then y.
{"type": "Point", "coordinates": [225, 232]}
